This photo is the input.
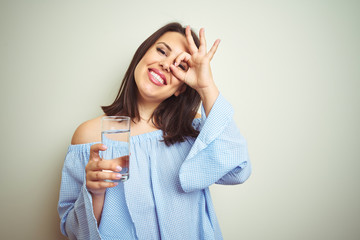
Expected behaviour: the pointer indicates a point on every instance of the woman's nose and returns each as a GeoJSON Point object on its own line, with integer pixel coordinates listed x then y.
{"type": "Point", "coordinates": [165, 64]}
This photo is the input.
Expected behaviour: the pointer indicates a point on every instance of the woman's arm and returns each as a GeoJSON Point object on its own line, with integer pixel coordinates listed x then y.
{"type": "Point", "coordinates": [80, 201]}
{"type": "Point", "coordinates": [199, 75]}
{"type": "Point", "coordinates": [95, 184]}
{"type": "Point", "coordinates": [219, 154]}
{"type": "Point", "coordinates": [75, 202]}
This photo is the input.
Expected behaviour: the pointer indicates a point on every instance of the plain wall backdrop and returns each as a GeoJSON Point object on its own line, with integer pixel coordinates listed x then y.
{"type": "Point", "coordinates": [291, 70]}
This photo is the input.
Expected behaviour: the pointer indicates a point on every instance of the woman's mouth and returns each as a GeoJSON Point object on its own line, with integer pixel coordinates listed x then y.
{"type": "Point", "coordinates": [157, 77]}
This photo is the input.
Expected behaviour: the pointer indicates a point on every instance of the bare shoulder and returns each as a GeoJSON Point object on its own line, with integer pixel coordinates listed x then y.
{"type": "Point", "coordinates": [88, 132]}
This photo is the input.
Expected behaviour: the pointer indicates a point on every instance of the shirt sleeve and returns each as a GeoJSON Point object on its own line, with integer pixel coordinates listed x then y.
{"type": "Point", "coordinates": [219, 154]}
{"type": "Point", "coordinates": [75, 202]}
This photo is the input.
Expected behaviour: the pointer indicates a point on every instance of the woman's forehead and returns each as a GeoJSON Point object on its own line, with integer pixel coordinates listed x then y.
{"type": "Point", "coordinates": [175, 40]}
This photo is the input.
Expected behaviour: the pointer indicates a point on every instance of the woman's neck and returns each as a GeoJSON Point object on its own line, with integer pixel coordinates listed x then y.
{"type": "Point", "coordinates": [145, 124]}
{"type": "Point", "coordinates": [146, 110]}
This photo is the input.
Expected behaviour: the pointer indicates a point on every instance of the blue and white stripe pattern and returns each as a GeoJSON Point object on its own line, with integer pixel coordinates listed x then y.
{"type": "Point", "coordinates": [167, 194]}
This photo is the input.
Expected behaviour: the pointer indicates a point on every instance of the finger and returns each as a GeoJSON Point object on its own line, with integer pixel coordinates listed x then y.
{"type": "Point", "coordinates": [111, 165]}
{"type": "Point", "coordinates": [179, 67]}
{"type": "Point", "coordinates": [100, 184]}
{"type": "Point", "coordinates": [183, 57]}
{"type": "Point", "coordinates": [179, 74]}
{"type": "Point", "coordinates": [213, 49]}
{"type": "Point", "coordinates": [121, 161]}
{"type": "Point", "coordinates": [102, 175]}
{"type": "Point", "coordinates": [202, 47]}
{"type": "Point", "coordinates": [94, 151]}
{"type": "Point", "coordinates": [192, 46]}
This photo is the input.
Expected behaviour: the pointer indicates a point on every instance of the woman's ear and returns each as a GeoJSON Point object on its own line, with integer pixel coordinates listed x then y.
{"type": "Point", "coordinates": [180, 90]}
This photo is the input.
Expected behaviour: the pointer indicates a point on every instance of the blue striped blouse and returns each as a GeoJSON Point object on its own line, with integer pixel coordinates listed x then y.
{"type": "Point", "coordinates": [167, 194]}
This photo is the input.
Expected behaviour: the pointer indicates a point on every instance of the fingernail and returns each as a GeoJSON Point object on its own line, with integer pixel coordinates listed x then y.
{"type": "Point", "coordinates": [115, 184]}
{"type": "Point", "coordinates": [175, 64]}
{"type": "Point", "coordinates": [118, 176]}
{"type": "Point", "coordinates": [118, 168]}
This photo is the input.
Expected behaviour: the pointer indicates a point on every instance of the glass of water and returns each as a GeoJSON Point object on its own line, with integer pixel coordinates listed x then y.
{"type": "Point", "coordinates": [115, 135]}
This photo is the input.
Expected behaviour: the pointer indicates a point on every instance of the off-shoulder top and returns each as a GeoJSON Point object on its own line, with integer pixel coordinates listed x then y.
{"type": "Point", "coordinates": [167, 195]}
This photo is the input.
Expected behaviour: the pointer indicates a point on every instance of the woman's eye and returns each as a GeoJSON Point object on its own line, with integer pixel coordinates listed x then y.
{"type": "Point", "coordinates": [161, 51]}
{"type": "Point", "coordinates": [183, 67]}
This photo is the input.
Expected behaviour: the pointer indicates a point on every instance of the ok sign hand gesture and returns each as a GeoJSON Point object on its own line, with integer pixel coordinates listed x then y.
{"type": "Point", "coordinates": [198, 76]}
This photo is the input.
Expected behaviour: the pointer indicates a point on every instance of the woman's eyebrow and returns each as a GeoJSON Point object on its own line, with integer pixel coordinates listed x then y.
{"type": "Point", "coordinates": [167, 46]}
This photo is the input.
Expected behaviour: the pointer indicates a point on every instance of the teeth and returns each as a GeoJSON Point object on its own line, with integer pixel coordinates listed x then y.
{"type": "Point", "coordinates": [157, 77]}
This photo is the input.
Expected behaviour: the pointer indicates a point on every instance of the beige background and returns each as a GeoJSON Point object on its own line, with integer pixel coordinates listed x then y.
{"type": "Point", "coordinates": [291, 69]}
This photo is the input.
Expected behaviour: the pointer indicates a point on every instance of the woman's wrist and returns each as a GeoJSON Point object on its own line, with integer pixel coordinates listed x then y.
{"type": "Point", "coordinates": [208, 97]}
{"type": "Point", "coordinates": [97, 195]}
{"type": "Point", "coordinates": [98, 204]}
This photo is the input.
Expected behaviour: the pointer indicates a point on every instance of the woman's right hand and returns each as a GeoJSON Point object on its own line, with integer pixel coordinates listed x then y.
{"type": "Point", "coordinates": [95, 175]}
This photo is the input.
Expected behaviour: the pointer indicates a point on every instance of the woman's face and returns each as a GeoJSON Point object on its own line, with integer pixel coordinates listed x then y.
{"type": "Point", "coordinates": [153, 77]}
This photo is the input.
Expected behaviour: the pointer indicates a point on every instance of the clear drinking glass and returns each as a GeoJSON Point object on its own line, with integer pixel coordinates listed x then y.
{"type": "Point", "coordinates": [115, 134]}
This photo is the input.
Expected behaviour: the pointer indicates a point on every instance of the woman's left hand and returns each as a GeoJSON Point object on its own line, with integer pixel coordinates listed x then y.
{"type": "Point", "coordinates": [198, 75]}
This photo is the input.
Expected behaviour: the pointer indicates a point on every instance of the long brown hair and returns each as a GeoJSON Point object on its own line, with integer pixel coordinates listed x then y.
{"type": "Point", "coordinates": [174, 116]}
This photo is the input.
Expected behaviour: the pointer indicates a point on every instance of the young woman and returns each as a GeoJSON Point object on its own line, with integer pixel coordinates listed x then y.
{"type": "Point", "coordinates": [175, 154]}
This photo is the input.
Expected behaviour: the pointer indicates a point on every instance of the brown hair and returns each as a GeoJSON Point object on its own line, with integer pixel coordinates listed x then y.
{"type": "Point", "coordinates": [174, 116]}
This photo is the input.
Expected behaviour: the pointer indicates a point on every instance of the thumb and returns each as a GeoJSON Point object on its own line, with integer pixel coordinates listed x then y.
{"type": "Point", "coordinates": [94, 151]}
{"type": "Point", "coordinates": [179, 74]}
